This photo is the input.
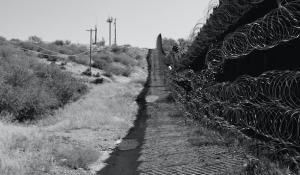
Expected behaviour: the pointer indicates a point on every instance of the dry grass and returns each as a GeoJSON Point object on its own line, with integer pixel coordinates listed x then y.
{"type": "Point", "coordinates": [28, 149]}
{"type": "Point", "coordinates": [23, 150]}
{"type": "Point", "coordinates": [107, 106]}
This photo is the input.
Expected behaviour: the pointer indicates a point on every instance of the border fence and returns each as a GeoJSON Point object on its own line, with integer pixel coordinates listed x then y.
{"type": "Point", "coordinates": [242, 71]}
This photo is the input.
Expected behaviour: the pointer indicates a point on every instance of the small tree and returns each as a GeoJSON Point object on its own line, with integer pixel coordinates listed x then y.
{"type": "Point", "coordinates": [2, 38]}
{"type": "Point", "coordinates": [102, 42]}
{"type": "Point", "coordinates": [67, 42]}
{"type": "Point", "coordinates": [168, 43]}
{"type": "Point", "coordinates": [183, 42]}
{"type": "Point", "coordinates": [58, 42]}
{"type": "Point", "coordinates": [35, 39]}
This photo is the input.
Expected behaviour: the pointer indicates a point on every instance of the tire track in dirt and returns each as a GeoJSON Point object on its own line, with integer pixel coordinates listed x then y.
{"type": "Point", "coordinates": [165, 145]}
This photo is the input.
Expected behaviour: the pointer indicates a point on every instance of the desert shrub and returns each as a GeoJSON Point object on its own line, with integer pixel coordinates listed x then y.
{"type": "Point", "coordinates": [35, 39]}
{"type": "Point", "coordinates": [26, 46]}
{"type": "Point", "coordinates": [15, 41]}
{"type": "Point", "coordinates": [118, 70]}
{"type": "Point", "coordinates": [138, 57]}
{"type": "Point", "coordinates": [58, 42]}
{"type": "Point", "coordinates": [50, 50]}
{"type": "Point", "coordinates": [125, 60]}
{"type": "Point", "coordinates": [29, 89]}
{"type": "Point", "coordinates": [64, 50]}
{"type": "Point", "coordinates": [67, 42]}
{"type": "Point", "coordinates": [117, 49]}
{"type": "Point", "coordinates": [97, 81]}
{"type": "Point", "coordinates": [168, 43]}
{"type": "Point", "coordinates": [87, 72]}
{"type": "Point", "coordinates": [65, 87]}
{"type": "Point", "coordinates": [80, 60]}
{"type": "Point", "coordinates": [76, 157]}
{"type": "Point", "coordinates": [52, 58]}
{"type": "Point", "coordinates": [105, 57]}
{"type": "Point", "coordinates": [6, 51]}
{"type": "Point", "coordinates": [22, 95]}
{"type": "Point", "coordinates": [76, 49]}
{"type": "Point", "coordinates": [100, 63]}
{"type": "Point", "coordinates": [125, 49]}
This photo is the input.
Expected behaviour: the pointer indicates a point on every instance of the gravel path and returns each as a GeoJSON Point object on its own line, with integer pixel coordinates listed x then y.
{"type": "Point", "coordinates": [165, 144]}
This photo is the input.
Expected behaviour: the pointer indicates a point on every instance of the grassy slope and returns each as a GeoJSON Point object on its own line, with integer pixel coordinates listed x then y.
{"type": "Point", "coordinates": [76, 135]}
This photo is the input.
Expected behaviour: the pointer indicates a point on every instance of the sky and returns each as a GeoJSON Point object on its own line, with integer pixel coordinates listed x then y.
{"type": "Point", "coordinates": [138, 22]}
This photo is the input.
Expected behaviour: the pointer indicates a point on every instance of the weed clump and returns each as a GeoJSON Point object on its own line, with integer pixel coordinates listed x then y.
{"type": "Point", "coordinates": [76, 157]}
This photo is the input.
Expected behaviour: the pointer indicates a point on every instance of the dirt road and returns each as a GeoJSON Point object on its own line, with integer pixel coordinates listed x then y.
{"type": "Point", "coordinates": [160, 143]}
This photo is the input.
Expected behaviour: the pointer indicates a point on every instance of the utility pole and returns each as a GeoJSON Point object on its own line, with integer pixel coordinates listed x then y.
{"type": "Point", "coordinates": [115, 31]}
{"type": "Point", "coordinates": [91, 33]}
{"type": "Point", "coordinates": [109, 20]}
{"type": "Point", "coordinates": [95, 35]}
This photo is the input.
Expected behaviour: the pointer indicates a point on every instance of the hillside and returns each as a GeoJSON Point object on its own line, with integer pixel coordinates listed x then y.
{"type": "Point", "coordinates": [64, 120]}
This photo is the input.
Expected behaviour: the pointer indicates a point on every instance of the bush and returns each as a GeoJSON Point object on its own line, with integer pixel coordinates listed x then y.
{"type": "Point", "coordinates": [118, 70]}
{"type": "Point", "coordinates": [35, 39]}
{"type": "Point", "coordinates": [64, 50]}
{"type": "Point", "coordinates": [6, 51]}
{"type": "Point", "coordinates": [80, 60]}
{"type": "Point", "coordinates": [76, 49]}
{"type": "Point", "coordinates": [105, 57]}
{"type": "Point", "coordinates": [117, 49]}
{"type": "Point", "coordinates": [67, 42]}
{"type": "Point", "coordinates": [63, 85]}
{"type": "Point", "coordinates": [52, 58]}
{"type": "Point", "coordinates": [26, 46]}
{"type": "Point", "coordinates": [87, 72]}
{"type": "Point", "coordinates": [138, 57]}
{"type": "Point", "coordinates": [58, 42]}
{"type": "Point", "coordinates": [22, 94]}
{"type": "Point", "coordinates": [29, 89]}
{"type": "Point", "coordinates": [100, 63]}
{"type": "Point", "coordinates": [125, 60]}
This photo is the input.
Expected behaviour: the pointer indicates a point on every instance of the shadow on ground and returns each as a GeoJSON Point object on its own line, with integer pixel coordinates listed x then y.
{"type": "Point", "coordinates": [126, 161]}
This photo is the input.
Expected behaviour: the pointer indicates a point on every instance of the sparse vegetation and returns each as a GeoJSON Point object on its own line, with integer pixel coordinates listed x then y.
{"type": "Point", "coordinates": [37, 97]}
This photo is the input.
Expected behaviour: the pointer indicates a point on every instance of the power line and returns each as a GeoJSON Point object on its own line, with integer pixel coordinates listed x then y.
{"type": "Point", "coordinates": [16, 24]}
{"type": "Point", "coordinates": [7, 32]}
{"type": "Point", "coordinates": [43, 53]}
